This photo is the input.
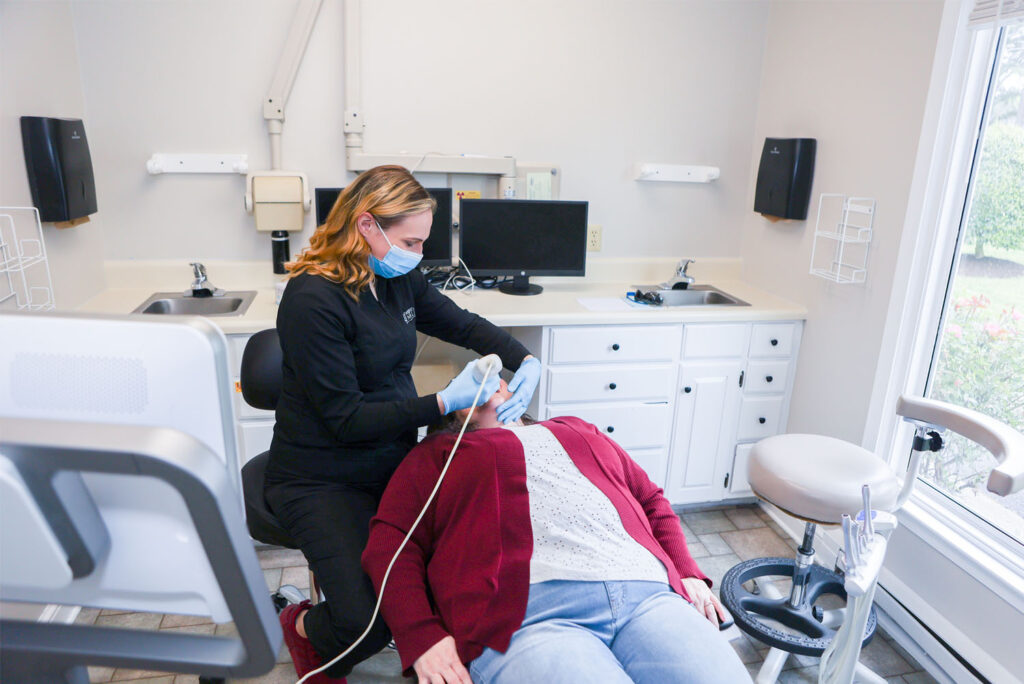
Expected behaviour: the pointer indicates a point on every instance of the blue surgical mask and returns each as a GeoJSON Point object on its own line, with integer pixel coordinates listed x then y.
{"type": "Point", "coordinates": [396, 262]}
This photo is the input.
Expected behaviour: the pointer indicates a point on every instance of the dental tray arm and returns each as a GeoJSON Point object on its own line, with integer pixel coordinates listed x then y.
{"type": "Point", "coordinates": [1005, 443]}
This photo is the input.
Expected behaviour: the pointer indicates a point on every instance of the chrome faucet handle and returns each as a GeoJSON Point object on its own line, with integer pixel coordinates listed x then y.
{"type": "Point", "coordinates": [683, 265]}
{"type": "Point", "coordinates": [201, 287]}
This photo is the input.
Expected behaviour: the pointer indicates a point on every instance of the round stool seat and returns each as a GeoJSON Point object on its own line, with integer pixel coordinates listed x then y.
{"type": "Point", "coordinates": [819, 478]}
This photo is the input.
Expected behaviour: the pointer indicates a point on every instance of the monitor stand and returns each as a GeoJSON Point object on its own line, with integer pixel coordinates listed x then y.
{"type": "Point", "coordinates": [520, 285]}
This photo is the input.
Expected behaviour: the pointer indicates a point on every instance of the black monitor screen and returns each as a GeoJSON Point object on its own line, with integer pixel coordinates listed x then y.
{"type": "Point", "coordinates": [437, 250]}
{"type": "Point", "coordinates": [535, 237]}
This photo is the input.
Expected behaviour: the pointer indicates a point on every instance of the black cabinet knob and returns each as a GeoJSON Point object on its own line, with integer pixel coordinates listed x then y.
{"type": "Point", "coordinates": [775, 342]}
{"type": "Point", "coordinates": [768, 378]}
{"type": "Point", "coordinates": [610, 428]}
{"type": "Point", "coordinates": [615, 347]}
{"type": "Point", "coordinates": [761, 420]}
{"type": "Point", "coordinates": [687, 389]}
{"type": "Point", "coordinates": [611, 385]}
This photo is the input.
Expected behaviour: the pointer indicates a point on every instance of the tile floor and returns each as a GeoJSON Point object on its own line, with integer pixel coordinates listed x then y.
{"type": "Point", "coordinates": [719, 538]}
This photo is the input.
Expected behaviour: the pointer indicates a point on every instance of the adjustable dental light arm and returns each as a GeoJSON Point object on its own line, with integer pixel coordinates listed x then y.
{"type": "Point", "coordinates": [1005, 443]}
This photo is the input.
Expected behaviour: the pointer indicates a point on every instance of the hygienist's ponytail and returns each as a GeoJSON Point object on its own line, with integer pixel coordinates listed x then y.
{"type": "Point", "coordinates": [336, 249]}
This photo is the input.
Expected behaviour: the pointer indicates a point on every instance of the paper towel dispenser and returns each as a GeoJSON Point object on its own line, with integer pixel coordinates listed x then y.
{"type": "Point", "coordinates": [784, 177]}
{"type": "Point", "coordinates": [59, 168]}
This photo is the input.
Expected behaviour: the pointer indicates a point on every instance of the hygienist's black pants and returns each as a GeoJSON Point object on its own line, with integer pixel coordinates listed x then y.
{"type": "Point", "coordinates": [330, 522]}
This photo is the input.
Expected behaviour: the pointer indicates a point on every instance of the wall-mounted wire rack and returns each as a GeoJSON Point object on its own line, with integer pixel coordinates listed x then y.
{"type": "Point", "coordinates": [842, 236]}
{"type": "Point", "coordinates": [25, 282]}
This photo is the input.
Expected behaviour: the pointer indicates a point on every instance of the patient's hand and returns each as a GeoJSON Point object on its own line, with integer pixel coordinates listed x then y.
{"type": "Point", "coordinates": [440, 664]}
{"type": "Point", "coordinates": [704, 600]}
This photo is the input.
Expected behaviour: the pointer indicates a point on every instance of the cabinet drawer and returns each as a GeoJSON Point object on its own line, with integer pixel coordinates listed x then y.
{"type": "Point", "coordinates": [766, 377]}
{"type": "Point", "coordinates": [738, 482]}
{"type": "Point", "coordinates": [254, 439]}
{"type": "Point", "coordinates": [772, 339]}
{"type": "Point", "coordinates": [622, 343]}
{"type": "Point", "coordinates": [716, 341]}
{"type": "Point", "coordinates": [610, 383]}
{"type": "Point", "coordinates": [759, 417]}
{"type": "Point", "coordinates": [654, 462]}
{"type": "Point", "coordinates": [635, 426]}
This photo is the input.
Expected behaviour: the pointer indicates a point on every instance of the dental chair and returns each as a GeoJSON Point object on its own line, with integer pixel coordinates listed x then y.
{"type": "Point", "coordinates": [261, 386]}
{"type": "Point", "coordinates": [120, 489]}
{"type": "Point", "coordinates": [822, 480]}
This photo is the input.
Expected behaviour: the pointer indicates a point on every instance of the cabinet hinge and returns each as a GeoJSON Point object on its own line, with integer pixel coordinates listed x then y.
{"type": "Point", "coordinates": [741, 377]}
{"type": "Point", "coordinates": [726, 483]}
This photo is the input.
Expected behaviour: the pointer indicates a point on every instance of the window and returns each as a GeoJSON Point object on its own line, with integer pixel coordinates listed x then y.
{"type": "Point", "coordinates": [978, 356]}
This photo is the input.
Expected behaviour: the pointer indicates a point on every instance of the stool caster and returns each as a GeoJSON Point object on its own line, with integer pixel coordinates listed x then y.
{"type": "Point", "coordinates": [812, 628]}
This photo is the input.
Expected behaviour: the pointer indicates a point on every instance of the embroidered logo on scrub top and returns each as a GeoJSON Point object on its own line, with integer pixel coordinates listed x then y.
{"type": "Point", "coordinates": [409, 315]}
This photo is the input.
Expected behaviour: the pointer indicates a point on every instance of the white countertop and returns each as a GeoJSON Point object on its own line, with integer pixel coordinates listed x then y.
{"type": "Point", "coordinates": [132, 282]}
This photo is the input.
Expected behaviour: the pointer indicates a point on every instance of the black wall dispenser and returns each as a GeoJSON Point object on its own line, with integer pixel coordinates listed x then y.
{"type": "Point", "coordinates": [784, 177]}
{"type": "Point", "coordinates": [59, 168]}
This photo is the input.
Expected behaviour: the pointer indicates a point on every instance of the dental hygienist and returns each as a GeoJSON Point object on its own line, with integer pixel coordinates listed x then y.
{"type": "Point", "coordinates": [348, 410]}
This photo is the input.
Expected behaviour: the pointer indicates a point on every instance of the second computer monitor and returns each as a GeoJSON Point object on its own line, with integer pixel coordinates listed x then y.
{"type": "Point", "coordinates": [437, 250]}
{"type": "Point", "coordinates": [523, 238]}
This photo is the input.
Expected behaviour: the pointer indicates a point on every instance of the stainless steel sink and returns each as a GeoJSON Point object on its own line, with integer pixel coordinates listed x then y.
{"type": "Point", "coordinates": [176, 303]}
{"type": "Point", "coordinates": [697, 295]}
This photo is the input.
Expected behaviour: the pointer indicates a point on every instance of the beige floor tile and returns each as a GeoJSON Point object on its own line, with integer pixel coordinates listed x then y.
{"type": "Point", "coordinates": [186, 679]}
{"type": "Point", "coordinates": [123, 675]}
{"type": "Point", "coordinates": [184, 620]}
{"type": "Point", "coordinates": [919, 677]}
{"type": "Point", "coordinates": [296, 575]}
{"type": "Point", "coordinates": [697, 550]}
{"type": "Point", "coordinates": [746, 651]}
{"type": "Point", "coordinates": [282, 673]}
{"type": "Point", "coordinates": [100, 674]}
{"type": "Point", "coordinates": [803, 675]}
{"type": "Point", "coordinates": [714, 543]}
{"type": "Point", "coordinates": [113, 611]}
{"type": "Point", "coordinates": [716, 566]}
{"type": "Point", "coordinates": [272, 577]}
{"type": "Point", "coordinates": [884, 660]}
{"type": "Point", "coordinates": [704, 522]}
{"type": "Point", "coordinates": [87, 616]}
{"type": "Point", "coordinates": [208, 628]}
{"type": "Point", "coordinates": [756, 543]}
{"type": "Point", "coordinates": [280, 558]}
{"type": "Point", "coordinates": [745, 517]}
{"type": "Point", "coordinates": [130, 620]}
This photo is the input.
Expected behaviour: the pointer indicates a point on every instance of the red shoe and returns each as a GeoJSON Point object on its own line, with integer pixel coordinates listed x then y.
{"type": "Point", "coordinates": [304, 656]}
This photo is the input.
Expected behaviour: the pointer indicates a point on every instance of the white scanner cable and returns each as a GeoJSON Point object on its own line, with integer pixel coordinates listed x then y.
{"type": "Point", "coordinates": [484, 368]}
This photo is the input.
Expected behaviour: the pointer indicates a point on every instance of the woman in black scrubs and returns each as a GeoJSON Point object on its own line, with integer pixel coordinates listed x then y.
{"type": "Point", "coordinates": [348, 411]}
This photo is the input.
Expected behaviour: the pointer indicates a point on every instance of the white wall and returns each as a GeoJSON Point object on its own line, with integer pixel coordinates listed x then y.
{"type": "Point", "coordinates": [854, 76]}
{"type": "Point", "coordinates": [39, 76]}
{"type": "Point", "coordinates": [589, 86]}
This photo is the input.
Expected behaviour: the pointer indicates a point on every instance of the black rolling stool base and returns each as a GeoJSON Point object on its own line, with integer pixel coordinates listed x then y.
{"type": "Point", "coordinates": [750, 609]}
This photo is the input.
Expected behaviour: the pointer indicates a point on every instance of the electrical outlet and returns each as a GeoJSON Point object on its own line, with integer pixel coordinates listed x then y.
{"type": "Point", "coordinates": [594, 237]}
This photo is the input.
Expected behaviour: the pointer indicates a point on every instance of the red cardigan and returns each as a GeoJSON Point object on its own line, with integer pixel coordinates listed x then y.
{"type": "Point", "coordinates": [465, 571]}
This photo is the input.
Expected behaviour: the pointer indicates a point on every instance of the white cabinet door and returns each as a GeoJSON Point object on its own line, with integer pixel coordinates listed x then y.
{"type": "Point", "coordinates": [739, 484]}
{"type": "Point", "coordinates": [705, 430]}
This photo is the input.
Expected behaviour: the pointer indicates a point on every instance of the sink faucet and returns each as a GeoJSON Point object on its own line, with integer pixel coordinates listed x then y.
{"type": "Point", "coordinates": [681, 280]}
{"type": "Point", "coordinates": [201, 287]}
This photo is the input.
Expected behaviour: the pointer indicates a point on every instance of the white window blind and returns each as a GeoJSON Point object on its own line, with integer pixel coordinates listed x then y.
{"type": "Point", "coordinates": [995, 12]}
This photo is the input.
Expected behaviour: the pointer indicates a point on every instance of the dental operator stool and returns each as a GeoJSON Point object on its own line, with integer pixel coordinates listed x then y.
{"type": "Point", "coordinates": [820, 480]}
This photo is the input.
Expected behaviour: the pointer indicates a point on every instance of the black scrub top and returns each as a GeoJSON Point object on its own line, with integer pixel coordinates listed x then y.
{"type": "Point", "coordinates": [348, 409]}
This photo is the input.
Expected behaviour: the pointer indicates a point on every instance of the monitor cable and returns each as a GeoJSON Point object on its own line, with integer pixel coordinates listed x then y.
{"type": "Point", "coordinates": [485, 367]}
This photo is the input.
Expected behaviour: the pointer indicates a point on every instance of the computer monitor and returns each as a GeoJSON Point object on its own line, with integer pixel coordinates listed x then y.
{"type": "Point", "coordinates": [437, 250]}
{"type": "Point", "coordinates": [523, 238]}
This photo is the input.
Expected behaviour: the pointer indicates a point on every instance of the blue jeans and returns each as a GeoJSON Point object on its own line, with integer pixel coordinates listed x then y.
{"type": "Point", "coordinates": [611, 632]}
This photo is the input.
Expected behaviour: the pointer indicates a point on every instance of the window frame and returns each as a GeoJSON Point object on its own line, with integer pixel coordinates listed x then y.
{"type": "Point", "coordinates": [948, 151]}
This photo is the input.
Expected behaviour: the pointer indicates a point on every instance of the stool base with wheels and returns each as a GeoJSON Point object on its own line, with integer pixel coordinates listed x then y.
{"type": "Point", "coordinates": [822, 480]}
{"type": "Point", "coordinates": [817, 479]}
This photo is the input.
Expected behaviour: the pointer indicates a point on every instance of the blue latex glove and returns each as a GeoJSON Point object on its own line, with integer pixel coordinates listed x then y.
{"type": "Point", "coordinates": [523, 385]}
{"type": "Point", "coordinates": [460, 391]}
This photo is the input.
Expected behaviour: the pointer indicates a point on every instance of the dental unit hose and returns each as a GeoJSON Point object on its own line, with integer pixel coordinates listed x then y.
{"type": "Point", "coordinates": [482, 369]}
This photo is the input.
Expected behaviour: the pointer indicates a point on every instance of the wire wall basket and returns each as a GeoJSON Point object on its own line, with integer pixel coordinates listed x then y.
{"type": "Point", "coordinates": [842, 237]}
{"type": "Point", "coordinates": [25, 282]}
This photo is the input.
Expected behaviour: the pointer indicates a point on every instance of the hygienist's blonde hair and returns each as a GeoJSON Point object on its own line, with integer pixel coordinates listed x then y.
{"type": "Point", "coordinates": [337, 251]}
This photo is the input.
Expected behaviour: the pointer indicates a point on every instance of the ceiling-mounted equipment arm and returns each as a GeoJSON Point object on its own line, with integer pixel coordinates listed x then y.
{"type": "Point", "coordinates": [291, 58]}
{"type": "Point", "coordinates": [1005, 443]}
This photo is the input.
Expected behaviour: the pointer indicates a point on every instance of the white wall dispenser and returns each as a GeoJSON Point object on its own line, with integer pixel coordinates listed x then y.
{"type": "Point", "coordinates": [675, 173]}
{"type": "Point", "coordinates": [842, 236]}
{"type": "Point", "coordinates": [24, 271]}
